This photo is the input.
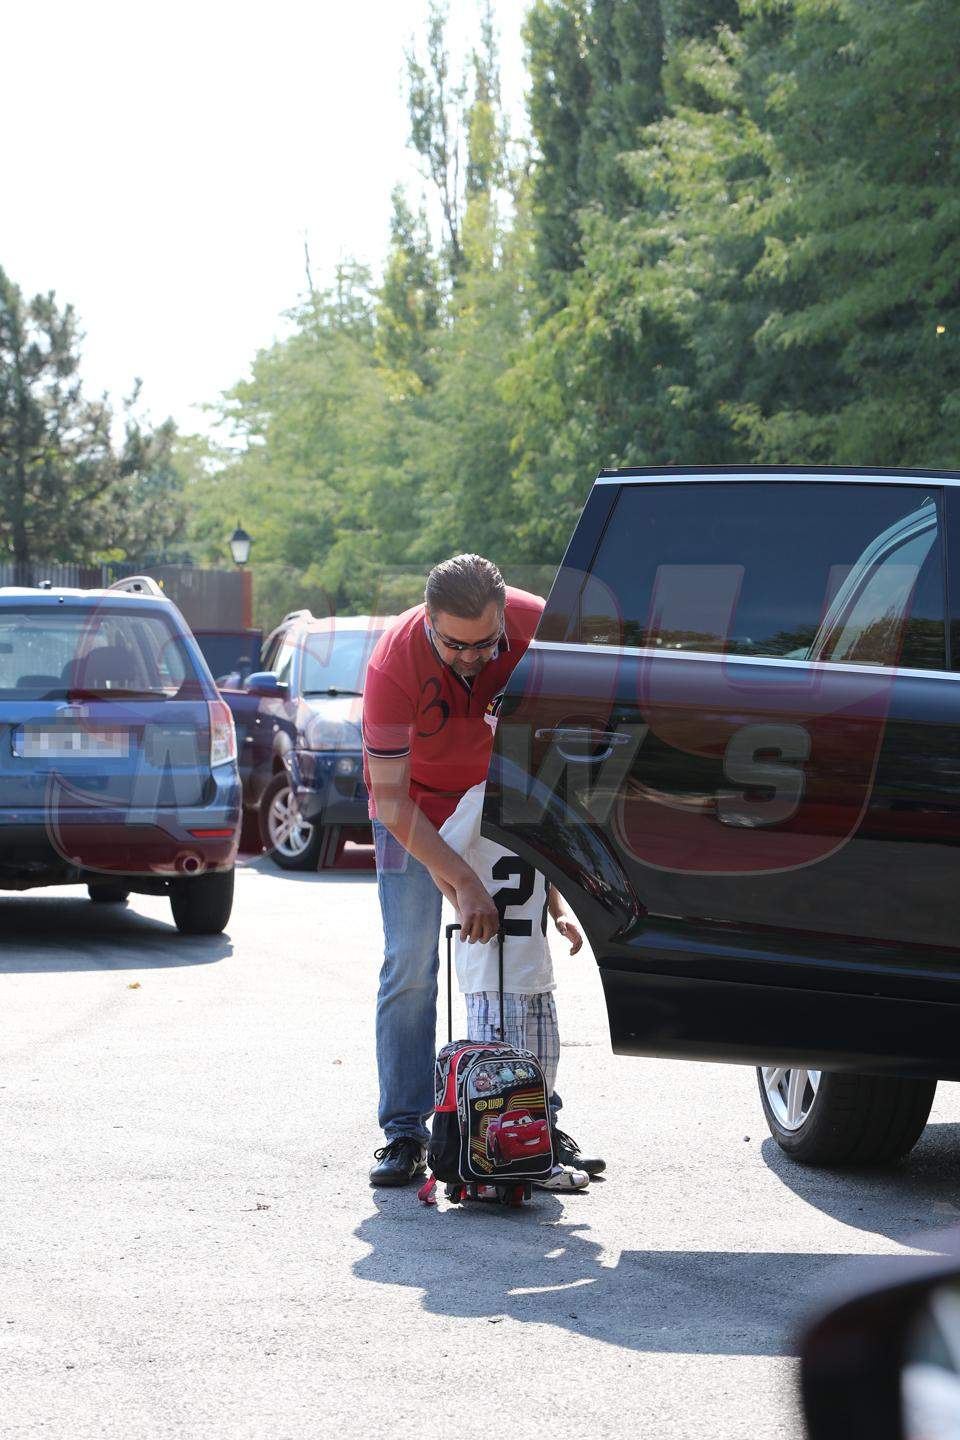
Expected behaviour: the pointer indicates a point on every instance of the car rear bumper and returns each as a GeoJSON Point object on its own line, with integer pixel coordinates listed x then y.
{"type": "Point", "coordinates": [49, 844]}
{"type": "Point", "coordinates": [323, 795]}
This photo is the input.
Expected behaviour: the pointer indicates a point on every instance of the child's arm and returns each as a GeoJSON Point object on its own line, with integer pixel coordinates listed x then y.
{"type": "Point", "coordinates": [563, 920]}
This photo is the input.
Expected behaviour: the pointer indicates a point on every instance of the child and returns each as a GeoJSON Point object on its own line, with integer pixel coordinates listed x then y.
{"type": "Point", "coordinates": [523, 899]}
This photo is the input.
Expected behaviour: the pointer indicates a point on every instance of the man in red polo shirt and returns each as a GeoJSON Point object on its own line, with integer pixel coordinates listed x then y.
{"type": "Point", "coordinates": [425, 743]}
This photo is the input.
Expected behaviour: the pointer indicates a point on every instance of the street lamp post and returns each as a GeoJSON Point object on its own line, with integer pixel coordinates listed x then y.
{"type": "Point", "coordinates": [240, 543]}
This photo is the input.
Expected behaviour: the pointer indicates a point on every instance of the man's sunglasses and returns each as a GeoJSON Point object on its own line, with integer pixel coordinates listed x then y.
{"type": "Point", "coordinates": [487, 644]}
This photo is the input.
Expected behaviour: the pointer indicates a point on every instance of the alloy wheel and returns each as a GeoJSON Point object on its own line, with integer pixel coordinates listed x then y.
{"type": "Point", "coordinates": [288, 831]}
{"type": "Point", "coordinates": [790, 1093]}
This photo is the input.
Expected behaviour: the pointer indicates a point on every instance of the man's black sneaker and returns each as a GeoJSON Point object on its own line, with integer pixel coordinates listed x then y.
{"type": "Point", "coordinates": [400, 1161]}
{"type": "Point", "coordinates": [568, 1153]}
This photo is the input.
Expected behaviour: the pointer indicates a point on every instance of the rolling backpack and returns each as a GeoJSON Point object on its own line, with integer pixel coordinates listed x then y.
{"type": "Point", "coordinates": [492, 1133]}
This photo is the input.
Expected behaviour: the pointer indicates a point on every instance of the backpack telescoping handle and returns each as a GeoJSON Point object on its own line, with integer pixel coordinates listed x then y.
{"type": "Point", "coordinates": [449, 932]}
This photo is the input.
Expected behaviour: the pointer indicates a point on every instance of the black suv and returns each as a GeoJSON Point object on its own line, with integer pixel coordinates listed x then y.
{"type": "Point", "coordinates": [734, 745]}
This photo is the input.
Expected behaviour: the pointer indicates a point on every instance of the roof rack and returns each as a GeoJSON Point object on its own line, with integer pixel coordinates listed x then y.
{"type": "Point", "coordinates": [139, 585]}
{"type": "Point", "coordinates": [297, 615]}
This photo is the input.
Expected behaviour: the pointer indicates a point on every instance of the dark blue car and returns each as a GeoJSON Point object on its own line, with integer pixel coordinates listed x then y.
{"type": "Point", "coordinates": [298, 726]}
{"type": "Point", "coordinates": [118, 762]}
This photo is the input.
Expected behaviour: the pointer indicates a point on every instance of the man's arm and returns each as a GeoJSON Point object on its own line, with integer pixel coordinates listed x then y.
{"type": "Point", "coordinates": [390, 784]}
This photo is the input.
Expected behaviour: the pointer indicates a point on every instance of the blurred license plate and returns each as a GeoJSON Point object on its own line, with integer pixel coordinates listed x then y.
{"type": "Point", "coordinates": [35, 744]}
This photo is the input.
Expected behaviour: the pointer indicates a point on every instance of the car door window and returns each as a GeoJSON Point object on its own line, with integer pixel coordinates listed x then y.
{"type": "Point", "coordinates": [283, 665]}
{"type": "Point", "coordinates": [868, 620]}
{"type": "Point", "coordinates": [270, 652]}
{"type": "Point", "coordinates": [850, 573]}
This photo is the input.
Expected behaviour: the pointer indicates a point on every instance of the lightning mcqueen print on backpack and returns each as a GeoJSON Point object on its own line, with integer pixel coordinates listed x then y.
{"type": "Point", "coordinates": [492, 1135]}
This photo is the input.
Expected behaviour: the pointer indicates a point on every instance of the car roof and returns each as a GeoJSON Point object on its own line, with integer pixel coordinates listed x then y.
{"type": "Point", "coordinates": [350, 622]}
{"type": "Point", "coordinates": [759, 472]}
{"type": "Point", "coordinates": [305, 620]}
{"type": "Point", "coordinates": [57, 595]}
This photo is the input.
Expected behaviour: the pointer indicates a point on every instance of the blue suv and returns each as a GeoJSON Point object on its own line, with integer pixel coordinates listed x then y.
{"type": "Point", "coordinates": [118, 759]}
{"type": "Point", "coordinates": [298, 722]}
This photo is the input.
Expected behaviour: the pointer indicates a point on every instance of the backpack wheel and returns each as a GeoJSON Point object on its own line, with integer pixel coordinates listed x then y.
{"type": "Point", "coordinates": [520, 1193]}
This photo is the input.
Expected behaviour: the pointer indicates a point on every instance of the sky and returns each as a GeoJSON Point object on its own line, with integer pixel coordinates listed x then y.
{"type": "Point", "coordinates": [165, 162]}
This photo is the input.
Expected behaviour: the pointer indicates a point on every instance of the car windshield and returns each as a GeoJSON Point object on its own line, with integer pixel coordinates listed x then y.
{"type": "Point", "coordinates": [52, 653]}
{"type": "Point", "coordinates": [335, 661]}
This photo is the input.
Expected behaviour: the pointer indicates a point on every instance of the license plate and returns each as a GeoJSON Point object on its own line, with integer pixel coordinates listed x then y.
{"type": "Point", "coordinates": [75, 743]}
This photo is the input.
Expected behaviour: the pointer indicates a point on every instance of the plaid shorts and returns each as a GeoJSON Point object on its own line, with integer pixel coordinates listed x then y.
{"type": "Point", "coordinates": [529, 1023]}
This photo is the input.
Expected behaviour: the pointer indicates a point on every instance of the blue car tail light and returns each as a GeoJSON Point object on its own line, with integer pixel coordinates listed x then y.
{"type": "Point", "coordinates": [223, 735]}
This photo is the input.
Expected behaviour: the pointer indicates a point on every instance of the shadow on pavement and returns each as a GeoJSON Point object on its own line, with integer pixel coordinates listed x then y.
{"type": "Point", "coordinates": [338, 874]}
{"type": "Point", "coordinates": [920, 1194]}
{"type": "Point", "coordinates": [54, 933]}
{"type": "Point", "coordinates": [540, 1265]}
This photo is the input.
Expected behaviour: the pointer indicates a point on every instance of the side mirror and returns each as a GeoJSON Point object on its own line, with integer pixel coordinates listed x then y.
{"type": "Point", "coordinates": [266, 684]}
{"type": "Point", "coordinates": [885, 1364]}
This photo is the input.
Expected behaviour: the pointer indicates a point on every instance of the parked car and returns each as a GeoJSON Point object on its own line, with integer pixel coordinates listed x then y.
{"type": "Point", "coordinates": [230, 654]}
{"type": "Point", "coordinates": [883, 1361]}
{"type": "Point", "coordinates": [734, 745]}
{"type": "Point", "coordinates": [118, 764]}
{"type": "Point", "coordinates": [298, 723]}
{"type": "Point", "coordinates": [515, 1136]}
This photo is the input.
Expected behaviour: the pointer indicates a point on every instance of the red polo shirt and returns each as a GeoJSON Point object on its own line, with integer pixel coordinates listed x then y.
{"type": "Point", "coordinates": [414, 704]}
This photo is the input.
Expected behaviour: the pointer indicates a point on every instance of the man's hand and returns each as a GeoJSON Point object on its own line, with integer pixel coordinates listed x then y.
{"type": "Point", "coordinates": [471, 893]}
{"type": "Point", "coordinates": [479, 917]}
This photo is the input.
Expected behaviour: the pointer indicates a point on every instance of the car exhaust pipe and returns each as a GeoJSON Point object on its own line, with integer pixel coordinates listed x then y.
{"type": "Point", "coordinates": [189, 863]}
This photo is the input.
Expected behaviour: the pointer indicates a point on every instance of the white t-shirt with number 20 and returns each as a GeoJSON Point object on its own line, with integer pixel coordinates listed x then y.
{"type": "Point", "coordinates": [520, 894]}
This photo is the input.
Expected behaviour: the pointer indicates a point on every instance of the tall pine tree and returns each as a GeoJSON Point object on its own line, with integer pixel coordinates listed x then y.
{"type": "Point", "coordinates": [66, 492]}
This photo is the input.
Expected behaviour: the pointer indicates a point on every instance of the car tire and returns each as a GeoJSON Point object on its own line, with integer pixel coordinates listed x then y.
{"type": "Point", "coordinates": [292, 844]}
{"type": "Point", "coordinates": [843, 1119]}
{"type": "Point", "coordinates": [101, 892]}
{"type": "Point", "coordinates": [201, 904]}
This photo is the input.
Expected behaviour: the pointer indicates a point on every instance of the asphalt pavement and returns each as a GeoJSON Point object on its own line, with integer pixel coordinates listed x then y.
{"type": "Point", "coordinates": [189, 1245]}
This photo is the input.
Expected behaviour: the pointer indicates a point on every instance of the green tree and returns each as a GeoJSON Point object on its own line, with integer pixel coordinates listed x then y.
{"type": "Point", "coordinates": [66, 491]}
{"type": "Point", "coordinates": [456, 445]}
{"type": "Point", "coordinates": [558, 102]}
{"type": "Point", "coordinates": [699, 19]}
{"type": "Point", "coordinates": [435, 102]}
{"type": "Point", "coordinates": [150, 509]}
{"type": "Point", "coordinates": [409, 301]}
{"type": "Point", "coordinates": [316, 463]}
{"type": "Point", "coordinates": [862, 246]}
{"type": "Point", "coordinates": [624, 60]}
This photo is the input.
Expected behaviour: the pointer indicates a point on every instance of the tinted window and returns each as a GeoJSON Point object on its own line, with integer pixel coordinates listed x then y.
{"type": "Point", "coordinates": [851, 573]}
{"type": "Point", "coordinates": [229, 653]}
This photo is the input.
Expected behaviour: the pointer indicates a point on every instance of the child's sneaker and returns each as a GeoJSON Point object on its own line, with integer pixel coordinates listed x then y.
{"type": "Point", "coordinates": [564, 1177]}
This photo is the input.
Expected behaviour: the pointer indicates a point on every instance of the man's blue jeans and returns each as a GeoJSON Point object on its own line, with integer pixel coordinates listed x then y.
{"type": "Point", "coordinates": [407, 1000]}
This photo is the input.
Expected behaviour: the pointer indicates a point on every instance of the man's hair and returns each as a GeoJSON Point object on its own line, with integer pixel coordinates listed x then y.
{"type": "Point", "coordinates": [464, 586]}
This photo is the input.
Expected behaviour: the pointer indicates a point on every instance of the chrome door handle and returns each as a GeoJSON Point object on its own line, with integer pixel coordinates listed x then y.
{"type": "Point", "coordinates": [583, 732]}
{"type": "Point", "coordinates": [585, 736]}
